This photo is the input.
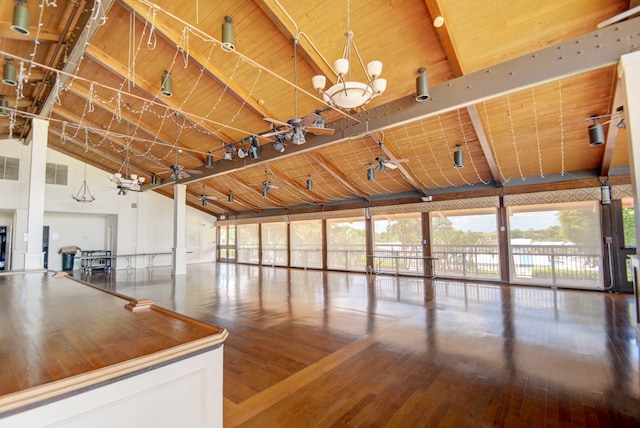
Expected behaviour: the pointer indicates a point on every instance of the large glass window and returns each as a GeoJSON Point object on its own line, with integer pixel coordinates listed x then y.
{"type": "Point", "coordinates": [628, 223]}
{"type": "Point", "coordinates": [306, 244]}
{"type": "Point", "coordinates": [465, 243]}
{"type": "Point", "coordinates": [274, 244]}
{"type": "Point", "coordinates": [398, 243]}
{"type": "Point", "coordinates": [346, 244]}
{"type": "Point", "coordinates": [556, 244]}
{"type": "Point", "coordinates": [248, 244]}
{"type": "Point", "coordinates": [227, 243]}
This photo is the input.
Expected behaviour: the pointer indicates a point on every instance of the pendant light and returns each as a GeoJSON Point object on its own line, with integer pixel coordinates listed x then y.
{"type": "Point", "coordinates": [167, 84]}
{"type": "Point", "coordinates": [458, 157]}
{"type": "Point", "coordinates": [21, 18]}
{"type": "Point", "coordinates": [4, 106]}
{"type": "Point", "coordinates": [9, 73]}
{"type": "Point", "coordinates": [227, 35]}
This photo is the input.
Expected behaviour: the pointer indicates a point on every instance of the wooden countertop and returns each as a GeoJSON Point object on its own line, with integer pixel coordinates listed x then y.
{"type": "Point", "coordinates": [58, 335]}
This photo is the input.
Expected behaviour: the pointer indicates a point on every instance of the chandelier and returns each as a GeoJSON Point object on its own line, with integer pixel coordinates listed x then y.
{"type": "Point", "coordinates": [346, 93]}
{"type": "Point", "coordinates": [124, 179]}
{"type": "Point", "coordinates": [84, 194]}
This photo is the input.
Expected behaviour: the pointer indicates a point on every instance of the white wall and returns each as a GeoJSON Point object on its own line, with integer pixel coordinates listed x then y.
{"type": "Point", "coordinates": [142, 222]}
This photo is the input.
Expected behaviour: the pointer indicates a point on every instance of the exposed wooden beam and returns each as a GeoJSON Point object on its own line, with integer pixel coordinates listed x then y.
{"type": "Point", "coordinates": [209, 202]}
{"type": "Point", "coordinates": [175, 38]}
{"type": "Point", "coordinates": [445, 38]}
{"type": "Point", "coordinates": [121, 70]}
{"type": "Point", "coordinates": [392, 154]}
{"type": "Point", "coordinates": [256, 189]}
{"type": "Point", "coordinates": [337, 174]}
{"type": "Point", "coordinates": [295, 185]}
{"type": "Point", "coordinates": [612, 132]}
{"type": "Point", "coordinates": [277, 15]}
{"type": "Point", "coordinates": [484, 144]}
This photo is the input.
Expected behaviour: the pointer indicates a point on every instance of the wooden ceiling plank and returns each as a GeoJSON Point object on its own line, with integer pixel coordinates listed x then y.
{"type": "Point", "coordinates": [209, 202]}
{"type": "Point", "coordinates": [392, 155]}
{"type": "Point", "coordinates": [119, 69]}
{"type": "Point", "coordinates": [256, 189]}
{"type": "Point", "coordinates": [294, 184]}
{"type": "Point", "coordinates": [434, 9]}
{"type": "Point", "coordinates": [612, 132]}
{"type": "Point", "coordinates": [289, 29]}
{"type": "Point", "coordinates": [484, 144]}
{"type": "Point", "coordinates": [337, 174]}
{"type": "Point", "coordinates": [175, 38]}
{"type": "Point", "coordinates": [237, 200]}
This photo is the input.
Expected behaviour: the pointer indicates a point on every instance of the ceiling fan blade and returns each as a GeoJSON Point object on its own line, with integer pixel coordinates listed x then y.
{"type": "Point", "coordinates": [309, 119]}
{"type": "Point", "coordinates": [276, 132]}
{"type": "Point", "coordinates": [277, 122]}
{"type": "Point", "coordinates": [390, 165]}
{"type": "Point", "coordinates": [192, 171]}
{"type": "Point", "coordinates": [319, 131]}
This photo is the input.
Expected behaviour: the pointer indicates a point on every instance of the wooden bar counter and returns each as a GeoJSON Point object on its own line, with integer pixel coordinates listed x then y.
{"type": "Point", "coordinates": [74, 355]}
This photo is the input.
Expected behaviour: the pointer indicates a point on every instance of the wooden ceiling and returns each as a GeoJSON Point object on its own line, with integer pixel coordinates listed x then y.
{"type": "Point", "coordinates": [95, 69]}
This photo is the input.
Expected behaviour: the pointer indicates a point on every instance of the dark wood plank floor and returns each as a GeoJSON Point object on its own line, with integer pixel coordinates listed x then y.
{"type": "Point", "coordinates": [313, 349]}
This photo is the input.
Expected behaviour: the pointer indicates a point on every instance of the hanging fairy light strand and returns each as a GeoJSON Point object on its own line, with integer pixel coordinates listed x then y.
{"type": "Point", "coordinates": [513, 136]}
{"type": "Point", "coordinates": [492, 142]}
{"type": "Point", "coordinates": [561, 120]}
{"type": "Point", "coordinates": [535, 118]}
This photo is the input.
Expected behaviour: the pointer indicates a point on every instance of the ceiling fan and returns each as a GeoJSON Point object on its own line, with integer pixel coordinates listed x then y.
{"type": "Point", "coordinates": [295, 129]}
{"type": "Point", "coordinates": [381, 163]}
{"type": "Point", "coordinates": [204, 197]}
{"type": "Point", "coordinates": [267, 184]}
{"type": "Point", "coordinates": [178, 172]}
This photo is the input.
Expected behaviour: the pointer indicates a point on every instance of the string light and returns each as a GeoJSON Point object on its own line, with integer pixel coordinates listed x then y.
{"type": "Point", "coordinates": [561, 127]}
{"type": "Point", "coordinates": [513, 135]}
{"type": "Point", "coordinates": [535, 118]}
{"type": "Point", "coordinates": [493, 147]}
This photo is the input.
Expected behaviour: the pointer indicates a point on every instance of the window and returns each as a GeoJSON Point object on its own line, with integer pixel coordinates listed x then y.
{"type": "Point", "coordinates": [628, 223]}
{"type": "Point", "coordinates": [306, 244]}
{"type": "Point", "coordinates": [346, 244]}
{"type": "Point", "coordinates": [398, 243]}
{"type": "Point", "coordinates": [466, 243]}
{"type": "Point", "coordinates": [227, 243]}
{"type": "Point", "coordinates": [56, 174]}
{"type": "Point", "coordinates": [248, 244]}
{"type": "Point", "coordinates": [556, 244]}
{"type": "Point", "coordinates": [9, 168]}
{"type": "Point", "coordinates": [274, 244]}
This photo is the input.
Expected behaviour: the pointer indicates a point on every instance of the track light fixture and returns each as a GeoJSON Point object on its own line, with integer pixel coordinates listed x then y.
{"type": "Point", "coordinates": [228, 155]}
{"type": "Point", "coordinates": [458, 157]}
{"type": "Point", "coordinates": [227, 34]}
{"type": "Point", "coordinates": [242, 151]}
{"type": "Point", "coordinates": [230, 197]}
{"type": "Point", "coordinates": [278, 145]}
{"type": "Point", "coordinates": [4, 106]}
{"type": "Point", "coordinates": [309, 184]}
{"type": "Point", "coordinates": [9, 75]}
{"type": "Point", "coordinates": [21, 18]}
{"type": "Point", "coordinates": [209, 163]}
{"type": "Point", "coordinates": [167, 84]}
{"type": "Point", "coordinates": [422, 85]}
{"type": "Point", "coordinates": [255, 148]}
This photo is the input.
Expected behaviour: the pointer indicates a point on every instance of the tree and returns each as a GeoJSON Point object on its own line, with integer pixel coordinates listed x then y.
{"type": "Point", "coordinates": [577, 226]}
{"type": "Point", "coordinates": [629, 226]}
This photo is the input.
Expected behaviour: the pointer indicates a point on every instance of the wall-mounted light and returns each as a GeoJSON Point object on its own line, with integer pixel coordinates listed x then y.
{"type": "Point", "coordinates": [605, 191]}
{"type": "Point", "coordinates": [422, 85]}
{"type": "Point", "coordinates": [458, 157]}
{"type": "Point", "coordinates": [209, 163]}
{"type": "Point", "coordinates": [227, 34]}
{"type": "Point", "coordinates": [167, 84]}
{"type": "Point", "coordinates": [4, 106]}
{"type": "Point", "coordinates": [9, 75]}
{"type": "Point", "coordinates": [309, 184]}
{"type": "Point", "coordinates": [21, 18]}
{"type": "Point", "coordinates": [367, 214]}
{"type": "Point", "coordinates": [230, 197]}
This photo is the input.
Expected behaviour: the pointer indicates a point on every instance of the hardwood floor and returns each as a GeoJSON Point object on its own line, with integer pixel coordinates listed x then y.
{"type": "Point", "coordinates": [308, 348]}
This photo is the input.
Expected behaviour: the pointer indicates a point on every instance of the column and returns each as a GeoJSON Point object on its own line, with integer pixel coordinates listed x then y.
{"type": "Point", "coordinates": [34, 257]}
{"type": "Point", "coordinates": [179, 256]}
{"type": "Point", "coordinates": [629, 70]}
